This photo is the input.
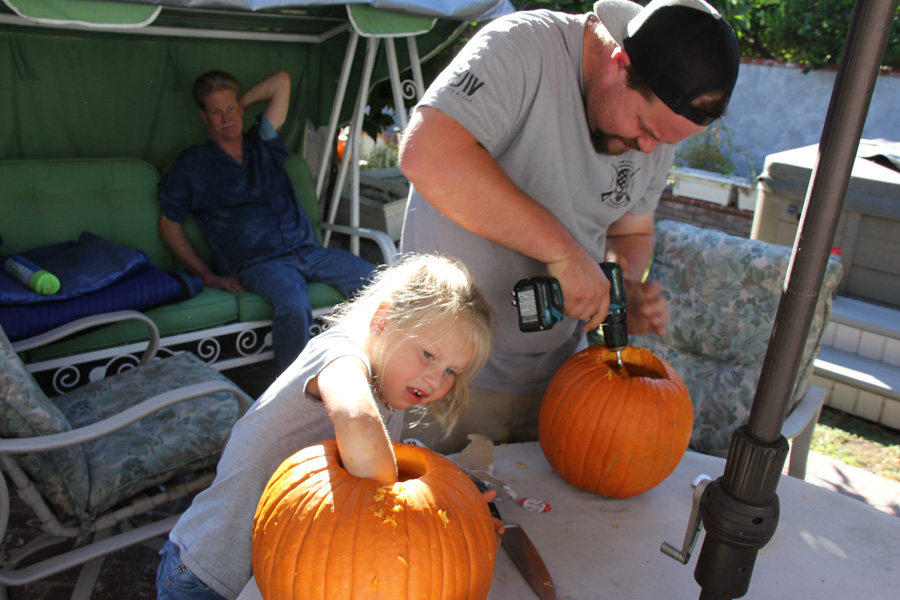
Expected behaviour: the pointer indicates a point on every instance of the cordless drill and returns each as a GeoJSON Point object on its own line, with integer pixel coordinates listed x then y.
{"type": "Point", "coordinates": [615, 332]}
{"type": "Point", "coordinates": [540, 304]}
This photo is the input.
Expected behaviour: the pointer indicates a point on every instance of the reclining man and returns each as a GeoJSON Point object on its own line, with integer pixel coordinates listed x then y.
{"type": "Point", "coordinates": [236, 187]}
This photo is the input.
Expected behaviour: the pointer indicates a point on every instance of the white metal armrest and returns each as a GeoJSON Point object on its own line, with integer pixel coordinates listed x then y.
{"type": "Point", "coordinates": [806, 410]}
{"type": "Point", "coordinates": [124, 418]}
{"type": "Point", "coordinates": [58, 333]}
{"type": "Point", "coordinates": [383, 240]}
{"type": "Point", "coordinates": [799, 427]}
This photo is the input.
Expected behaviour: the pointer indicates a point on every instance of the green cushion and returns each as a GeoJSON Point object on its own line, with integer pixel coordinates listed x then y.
{"type": "Point", "coordinates": [52, 201]}
{"type": "Point", "coordinates": [254, 308]}
{"type": "Point", "coordinates": [323, 295]}
{"type": "Point", "coordinates": [304, 187]}
{"type": "Point", "coordinates": [209, 308]}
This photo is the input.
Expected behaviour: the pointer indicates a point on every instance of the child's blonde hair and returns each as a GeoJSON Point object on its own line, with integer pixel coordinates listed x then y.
{"type": "Point", "coordinates": [425, 291]}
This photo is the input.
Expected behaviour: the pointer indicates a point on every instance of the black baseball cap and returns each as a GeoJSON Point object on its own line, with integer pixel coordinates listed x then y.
{"type": "Point", "coordinates": [682, 49]}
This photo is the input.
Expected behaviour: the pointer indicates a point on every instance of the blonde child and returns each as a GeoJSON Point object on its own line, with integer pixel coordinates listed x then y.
{"type": "Point", "coordinates": [414, 336]}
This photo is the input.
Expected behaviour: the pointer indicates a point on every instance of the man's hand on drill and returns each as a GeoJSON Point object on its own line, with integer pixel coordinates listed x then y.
{"type": "Point", "coordinates": [585, 288]}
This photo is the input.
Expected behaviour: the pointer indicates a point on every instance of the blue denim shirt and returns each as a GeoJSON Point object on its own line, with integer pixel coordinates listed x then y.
{"type": "Point", "coordinates": [248, 213]}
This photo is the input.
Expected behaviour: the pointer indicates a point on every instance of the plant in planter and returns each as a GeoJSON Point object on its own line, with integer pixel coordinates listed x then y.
{"type": "Point", "coordinates": [709, 150]}
{"type": "Point", "coordinates": [382, 189]}
{"type": "Point", "coordinates": [704, 169]}
{"type": "Point", "coordinates": [382, 156]}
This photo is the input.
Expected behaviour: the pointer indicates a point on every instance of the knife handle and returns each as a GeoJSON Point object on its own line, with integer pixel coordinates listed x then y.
{"type": "Point", "coordinates": [482, 487]}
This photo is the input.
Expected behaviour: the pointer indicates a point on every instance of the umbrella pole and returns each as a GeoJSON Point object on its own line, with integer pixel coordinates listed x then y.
{"type": "Point", "coordinates": [740, 509]}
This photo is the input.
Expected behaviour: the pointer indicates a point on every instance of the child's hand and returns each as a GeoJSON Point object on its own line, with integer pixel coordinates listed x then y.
{"type": "Point", "coordinates": [498, 524]}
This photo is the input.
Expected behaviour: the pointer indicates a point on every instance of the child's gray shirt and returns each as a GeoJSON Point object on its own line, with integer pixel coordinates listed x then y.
{"type": "Point", "coordinates": [214, 534]}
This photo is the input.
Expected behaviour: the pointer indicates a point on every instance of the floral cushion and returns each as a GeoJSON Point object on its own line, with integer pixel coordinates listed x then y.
{"type": "Point", "coordinates": [180, 439]}
{"type": "Point", "coordinates": [723, 294]}
{"type": "Point", "coordinates": [60, 475]}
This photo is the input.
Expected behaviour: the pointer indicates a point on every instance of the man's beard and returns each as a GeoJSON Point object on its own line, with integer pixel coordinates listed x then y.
{"type": "Point", "coordinates": [611, 145]}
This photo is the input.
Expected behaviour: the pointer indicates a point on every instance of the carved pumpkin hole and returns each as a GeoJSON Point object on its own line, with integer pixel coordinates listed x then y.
{"type": "Point", "coordinates": [407, 468]}
{"type": "Point", "coordinates": [410, 468]}
{"type": "Point", "coordinates": [635, 370]}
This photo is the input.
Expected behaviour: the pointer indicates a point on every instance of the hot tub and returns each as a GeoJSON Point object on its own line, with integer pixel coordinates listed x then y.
{"type": "Point", "coordinates": [868, 232]}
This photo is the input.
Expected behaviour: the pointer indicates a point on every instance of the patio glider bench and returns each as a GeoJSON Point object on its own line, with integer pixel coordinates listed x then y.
{"type": "Point", "coordinates": [723, 293]}
{"type": "Point", "coordinates": [46, 202]}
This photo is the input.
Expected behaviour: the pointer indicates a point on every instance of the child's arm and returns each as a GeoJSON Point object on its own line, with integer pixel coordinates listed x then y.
{"type": "Point", "coordinates": [363, 441]}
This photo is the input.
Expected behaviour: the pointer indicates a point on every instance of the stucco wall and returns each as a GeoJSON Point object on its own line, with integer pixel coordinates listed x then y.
{"type": "Point", "coordinates": [777, 107]}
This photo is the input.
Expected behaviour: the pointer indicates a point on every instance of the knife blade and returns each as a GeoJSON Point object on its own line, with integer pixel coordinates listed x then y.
{"type": "Point", "coordinates": [526, 558]}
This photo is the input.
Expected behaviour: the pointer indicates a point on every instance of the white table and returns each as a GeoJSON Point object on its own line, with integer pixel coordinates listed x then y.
{"type": "Point", "coordinates": [827, 546]}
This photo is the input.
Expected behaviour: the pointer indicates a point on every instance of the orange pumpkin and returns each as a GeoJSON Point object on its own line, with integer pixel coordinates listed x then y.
{"type": "Point", "coordinates": [615, 432]}
{"type": "Point", "coordinates": [321, 533]}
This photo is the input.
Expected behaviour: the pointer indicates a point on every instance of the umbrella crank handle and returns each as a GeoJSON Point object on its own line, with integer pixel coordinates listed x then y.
{"type": "Point", "coordinates": [695, 524]}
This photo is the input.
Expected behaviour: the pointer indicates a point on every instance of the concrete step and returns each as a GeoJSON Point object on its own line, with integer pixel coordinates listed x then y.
{"type": "Point", "coordinates": [859, 363]}
{"type": "Point", "coordinates": [865, 316]}
{"type": "Point", "coordinates": [864, 373]}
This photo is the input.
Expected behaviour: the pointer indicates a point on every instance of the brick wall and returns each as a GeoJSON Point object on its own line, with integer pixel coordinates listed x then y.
{"type": "Point", "coordinates": [707, 215]}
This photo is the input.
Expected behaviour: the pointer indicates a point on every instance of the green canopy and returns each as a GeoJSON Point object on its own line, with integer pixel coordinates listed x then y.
{"type": "Point", "coordinates": [97, 13]}
{"type": "Point", "coordinates": [72, 91]}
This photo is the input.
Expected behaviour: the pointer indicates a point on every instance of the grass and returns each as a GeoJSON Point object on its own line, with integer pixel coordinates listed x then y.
{"type": "Point", "coordinates": [858, 442]}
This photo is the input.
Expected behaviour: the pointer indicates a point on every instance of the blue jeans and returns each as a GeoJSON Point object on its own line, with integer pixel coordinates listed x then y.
{"type": "Point", "coordinates": [174, 581]}
{"type": "Point", "coordinates": [282, 281]}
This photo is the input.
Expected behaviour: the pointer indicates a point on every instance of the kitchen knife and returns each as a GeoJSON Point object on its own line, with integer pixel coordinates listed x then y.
{"type": "Point", "coordinates": [526, 558]}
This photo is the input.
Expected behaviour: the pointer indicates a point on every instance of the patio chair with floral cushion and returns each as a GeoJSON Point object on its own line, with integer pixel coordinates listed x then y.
{"type": "Point", "coordinates": [95, 464]}
{"type": "Point", "coordinates": [723, 293]}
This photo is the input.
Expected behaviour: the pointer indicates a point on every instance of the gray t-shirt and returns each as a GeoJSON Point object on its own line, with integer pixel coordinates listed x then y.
{"type": "Point", "coordinates": [214, 535]}
{"type": "Point", "coordinates": [517, 87]}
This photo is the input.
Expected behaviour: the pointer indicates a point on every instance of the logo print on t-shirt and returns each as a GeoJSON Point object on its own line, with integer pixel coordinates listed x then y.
{"type": "Point", "coordinates": [620, 194]}
{"type": "Point", "coordinates": [467, 83]}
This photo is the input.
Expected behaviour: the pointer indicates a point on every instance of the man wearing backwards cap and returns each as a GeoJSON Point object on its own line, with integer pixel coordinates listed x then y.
{"type": "Point", "coordinates": [543, 148]}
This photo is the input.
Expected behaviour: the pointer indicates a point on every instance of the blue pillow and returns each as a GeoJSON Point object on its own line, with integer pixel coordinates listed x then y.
{"type": "Point", "coordinates": [90, 264]}
{"type": "Point", "coordinates": [146, 288]}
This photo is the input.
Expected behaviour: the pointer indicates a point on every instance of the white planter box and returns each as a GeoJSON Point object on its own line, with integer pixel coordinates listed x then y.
{"type": "Point", "coordinates": [701, 185]}
{"type": "Point", "coordinates": [376, 215]}
{"type": "Point", "coordinates": [746, 195]}
{"type": "Point", "coordinates": [382, 201]}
